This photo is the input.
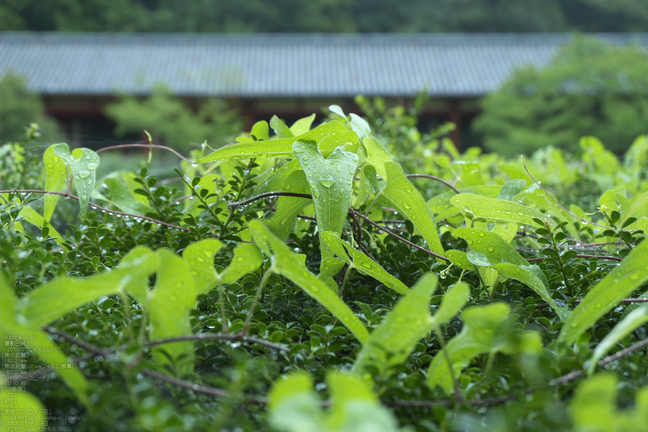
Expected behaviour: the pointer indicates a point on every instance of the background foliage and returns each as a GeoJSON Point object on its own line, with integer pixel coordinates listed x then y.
{"type": "Point", "coordinates": [588, 89]}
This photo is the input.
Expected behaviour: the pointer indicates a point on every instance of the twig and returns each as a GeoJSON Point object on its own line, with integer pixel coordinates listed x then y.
{"type": "Point", "coordinates": [67, 195]}
{"type": "Point", "coordinates": [265, 195]}
{"type": "Point", "coordinates": [433, 178]}
{"type": "Point", "coordinates": [212, 336]}
{"type": "Point", "coordinates": [580, 256]}
{"type": "Point", "coordinates": [429, 252]}
{"type": "Point", "coordinates": [626, 301]}
{"type": "Point", "coordinates": [148, 146]}
{"type": "Point", "coordinates": [83, 344]}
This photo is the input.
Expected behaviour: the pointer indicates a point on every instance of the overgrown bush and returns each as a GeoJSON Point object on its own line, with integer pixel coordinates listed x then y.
{"type": "Point", "coordinates": [305, 282]}
{"type": "Point", "coordinates": [589, 88]}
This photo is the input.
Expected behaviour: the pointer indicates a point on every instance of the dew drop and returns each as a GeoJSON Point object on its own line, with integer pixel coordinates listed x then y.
{"type": "Point", "coordinates": [327, 183]}
{"type": "Point", "coordinates": [195, 165]}
{"type": "Point", "coordinates": [305, 158]}
{"type": "Point", "coordinates": [92, 166]}
{"type": "Point", "coordinates": [366, 265]}
{"type": "Point", "coordinates": [584, 222]}
{"type": "Point", "coordinates": [491, 248]}
{"type": "Point", "coordinates": [84, 174]}
{"type": "Point", "coordinates": [316, 193]}
{"type": "Point", "coordinates": [481, 234]}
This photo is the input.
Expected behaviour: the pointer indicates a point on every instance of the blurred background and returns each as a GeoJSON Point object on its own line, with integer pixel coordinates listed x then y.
{"type": "Point", "coordinates": [510, 75]}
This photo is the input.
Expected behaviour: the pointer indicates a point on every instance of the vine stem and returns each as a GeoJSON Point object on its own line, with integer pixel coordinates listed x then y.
{"type": "Point", "coordinates": [264, 281]}
{"type": "Point", "coordinates": [427, 176]}
{"type": "Point", "coordinates": [148, 146]}
{"type": "Point", "coordinates": [67, 195]}
{"type": "Point", "coordinates": [580, 256]}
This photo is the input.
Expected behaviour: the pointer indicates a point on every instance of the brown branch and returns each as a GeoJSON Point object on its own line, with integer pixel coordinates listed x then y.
{"type": "Point", "coordinates": [433, 178]}
{"type": "Point", "coordinates": [580, 256]}
{"type": "Point", "coordinates": [429, 252]}
{"type": "Point", "coordinates": [268, 194]}
{"type": "Point", "coordinates": [217, 336]}
{"type": "Point", "coordinates": [67, 195]}
{"type": "Point", "coordinates": [148, 146]}
{"type": "Point", "coordinates": [83, 344]}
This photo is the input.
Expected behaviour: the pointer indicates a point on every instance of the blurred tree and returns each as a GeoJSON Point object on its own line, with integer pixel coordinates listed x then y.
{"type": "Point", "coordinates": [290, 16]}
{"type": "Point", "coordinates": [20, 108]}
{"type": "Point", "coordinates": [588, 89]}
{"type": "Point", "coordinates": [168, 118]}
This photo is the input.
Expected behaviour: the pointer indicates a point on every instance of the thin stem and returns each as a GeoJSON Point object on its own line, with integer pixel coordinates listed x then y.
{"type": "Point", "coordinates": [433, 178]}
{"type": "Point", "coordinates": [344, 281]}
{"type": "Point", "coordinates": [580, 256]}
{"type": "Point", "coordinates": [221, 299]}
{"type": "Point", "coordinates": [148, 146]}
{"type": "Point", "coordinates": [455, 384]}
{"type": "Point", "coordinates": [264, 281]}
{"type": "Point", "coordinates": [265, 195]}
{"type": "Point", "coordinates": [429, 252]}
{"type": "Point", "coordinates": [97, 207]}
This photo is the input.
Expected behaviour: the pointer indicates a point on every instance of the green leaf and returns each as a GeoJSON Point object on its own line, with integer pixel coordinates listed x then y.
{"type": "Point", "coordinates": [593, 407]}
{"type": "Point", "coordinates": [407, 323]}
{"type": "Point", "coordinates": [362, 262]}
{"type": "Point", "coordinates": [477, 337]}
{"type": "Point", "coordinates": [280, 128]}
{"type": "Point", "coordinates": [377, 156]}
{"type": "Point", "coordinates": [626, 326]}
{"type": "Point", "coordinates": [407, 200]}
{"type": "Point", "coordinates": [638, 209]}
{"type": "Point", "coordinates": [55, 180]}
{"type": "Point", "coordinates": [302, 126]}
{"type": "Point", "coordinates": [481, 207]}
{"type": "Point", "coordinates": [511, 189]}
{"type": "Point", "coordinates": [31, 216]}
{"type": "Point", "coordinates": [273, 148]}
{"type": "Point", "coordinates": [289, 207]}
{"type": "Point", "coordinates": [247, 258]}
{"type": "Point", "coordinates": [452, 302]}
{"type": "Point", "coordinates": [123, 199]}
{"type": "Point", "coordinates": [331, 183]}
{"type": "Point", "coordinates": [170, 302]}
{"type": "Point", "coordinates": [284, 263]}
{"type": "Point", "coordinates": [460, 259]}
{"type": "Point", "coordinates": [293, 405]}
{"type": "Point", "coordinates": [83, 164]}
{"type": "Point", "coordinates": [199, 258]}
{"type": "Point", "coordinates": [338, 139]}
{"type": "Point", "coordinates": [491, 245]}
{"type": "Point", "coordinates": [64, 294]}
{"type": "Point", "coordinates": [608, 293]}
{"type": "Point", "coordinates": [532, 276]}
{"type": "Point", "coordinates": [260, 131]}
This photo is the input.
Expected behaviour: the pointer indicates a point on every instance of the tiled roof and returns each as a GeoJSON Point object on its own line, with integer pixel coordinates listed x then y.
{"type": "Point", "coordinates": [289, 65]}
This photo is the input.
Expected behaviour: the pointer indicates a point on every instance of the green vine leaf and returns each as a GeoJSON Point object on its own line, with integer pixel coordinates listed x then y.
{"type": "Point", "coordinates": [282, 222]}
{"type": "Point", "coordinates": [83, 164]}
{"type": "Point", "coordinates": [362, 262]}
{"type": "Point", "coordinates": [331, 184]}
{"type": "Point", "coordinates": [608, 293]}
{"type": "Point", "coordinates": [280, 128]}
{"type": "Point", "coordinates": [407, 323]}
{"type": "Point", "coordinates": [477, 337]}
{"type": "Point", "coordinates": [285, 264]}
{"type": "Point", "coordinates": [281, 147]}
{"type": "Point", "coordinates": [55, 180]}
{"type": "Point", "coordinates": [199, 257]}
{"type": "Point", "coordinates": [482, 207]}
{"type": "Point", "coordinates": [170, 302]}
{"type": "Point", "coordinates": [247, 258]}
{"type": "Point", "coordinates": [407, 200]}
{"type": "Point", "coordinates": [124, 200]}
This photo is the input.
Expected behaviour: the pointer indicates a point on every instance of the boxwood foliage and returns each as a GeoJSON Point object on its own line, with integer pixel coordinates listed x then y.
{"type": "Point", "coordinates": [303, 279]}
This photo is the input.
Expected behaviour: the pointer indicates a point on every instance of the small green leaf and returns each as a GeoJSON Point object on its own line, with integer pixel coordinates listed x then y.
{"type": "Point", "coordinates": [302, 126]}
{"type": "Point", "coordinates": [55, 180]}
{"type": "Point", "coordinates": [280, 128]}
{"type": "Point", "coordinates": [452, 302]}
{"type": "Point", "coordinates": [407, 323]}
{"type": "Point", "coordinates": [170, 302]}
{"type": "Point", "coordinates": [608, 293]}
{"type": "Point", "coordinates": [362, 262]}
{"type": "Point", "coordinates": [273, 148]}
{"type": "Point", "coordinates": [289, 207]}
{"type": "Point", "coordinates": [199, 257]}
{"type": "Point", "coordinates": [477, 337]}
{"type": "Point", "coordinates": [31, 216]}
{"type": "Point", "coordinates": [247, 258]}
{"type": "Point", "coordinates": [124, 200]}
{"type": "Point", "coordinates": [83, 164]}
{"type": "Point", "coordinates": [284, 263]}
{"type": "Point", "coordinates": [511, 189]}
{"type": "Point", "coordinates": [260, 131]}
{"type": "Point", "coordinates": [337, 139]}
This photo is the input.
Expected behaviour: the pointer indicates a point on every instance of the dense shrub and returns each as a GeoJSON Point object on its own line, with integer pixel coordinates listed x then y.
{"type": "Point", "coordinates": [291, 272]}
